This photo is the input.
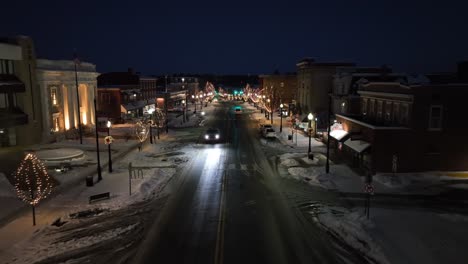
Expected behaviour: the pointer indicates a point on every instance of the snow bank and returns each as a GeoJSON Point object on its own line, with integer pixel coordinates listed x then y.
{"type": "Point", "coordinates": [313, 161]}
{"type": "Point", "coordinates": [350, 226]}
{"type": "Point", "coordinates": [289, 162]}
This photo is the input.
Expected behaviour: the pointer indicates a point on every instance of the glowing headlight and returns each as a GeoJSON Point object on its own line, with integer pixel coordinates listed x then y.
{"type": "Point", "coordinates": [207, 137]}
{"type": "Point", "coordinates": [202, 113]}
{"type": "Point", "coordinates": [217, 136]}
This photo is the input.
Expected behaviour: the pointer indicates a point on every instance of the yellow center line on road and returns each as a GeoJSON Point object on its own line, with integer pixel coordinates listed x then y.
{"type": "Point", "coordinates": [219, 250]}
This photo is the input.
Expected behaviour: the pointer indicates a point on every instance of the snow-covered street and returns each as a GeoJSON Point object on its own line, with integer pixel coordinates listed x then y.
{"type": "Point", "coordinates": [413, 217]}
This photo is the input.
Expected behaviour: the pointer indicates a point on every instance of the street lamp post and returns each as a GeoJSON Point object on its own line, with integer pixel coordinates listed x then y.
{"type": "Point", "coordinates": [315, 129]}
{"type": "Point", "coordinates": [271, 111]}
{"type": "Point", "coordinates": [194, 104]}
{"type": "Point", "coordinates": [310, 117]}
{"type": "Point", "coordinates": [327, 165]}
{"type": "Point", "coordinates": [150, 111]}
{"type": "Point", "coordinates": [183, 109]}
{"type": "Point", "coordinates": [97, 143]}
{"type": "Point", "coordinates": [109, 124]}
{"type": "Point", "coordinates": [281, 118]}
{"type": "Point", "coordinates": [78, 100]}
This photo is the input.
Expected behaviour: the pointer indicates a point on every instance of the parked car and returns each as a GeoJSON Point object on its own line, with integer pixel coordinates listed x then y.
{"type": "Point", "coordinates": [212, 135]}
{"type": "Point", "coordinates": [263, 127]}
{"type": "Point", "coordinates": [238, 110]}
{"type": "Point", "coordinates": [269, 133]}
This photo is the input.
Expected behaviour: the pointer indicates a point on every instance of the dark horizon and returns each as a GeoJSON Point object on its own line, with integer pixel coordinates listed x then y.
{"type": "Point", "coordinates": [244, 38]}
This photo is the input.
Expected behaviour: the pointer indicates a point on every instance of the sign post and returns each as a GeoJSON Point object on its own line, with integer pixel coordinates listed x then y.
{"type": "Point", "coordinates": [394, 167]}
{"type": "Point", "coordinates": [369, 189]}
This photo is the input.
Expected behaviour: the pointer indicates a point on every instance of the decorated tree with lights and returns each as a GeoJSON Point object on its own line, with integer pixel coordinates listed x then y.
{"type": "Point", "coordinates": [32, 182]}
{"type": "Point", "coordinates": [141, 131]}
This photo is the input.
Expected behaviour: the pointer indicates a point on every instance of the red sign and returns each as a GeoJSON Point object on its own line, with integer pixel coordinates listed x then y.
{"type": "Point", "coordinates": [369, 188]}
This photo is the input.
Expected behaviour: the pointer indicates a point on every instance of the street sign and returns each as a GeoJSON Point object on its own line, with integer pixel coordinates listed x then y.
{"type": "Point", "coordinates": [369, 188]}
{"type": "Point", "coordinates": [108, 140]}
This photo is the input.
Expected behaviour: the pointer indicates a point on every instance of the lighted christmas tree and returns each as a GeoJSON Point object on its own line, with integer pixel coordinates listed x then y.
{"type": "Point", "coordinates": [32, 182]}
{"type": "Point", "coordinates": [141, 131]}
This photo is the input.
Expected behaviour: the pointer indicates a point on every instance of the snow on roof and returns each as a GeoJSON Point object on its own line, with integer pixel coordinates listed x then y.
{"type": "Point", "coordinates": [358, 145]}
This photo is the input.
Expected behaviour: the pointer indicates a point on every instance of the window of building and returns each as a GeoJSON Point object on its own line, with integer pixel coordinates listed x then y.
{"type": "Point", "coordinates": [379, 110]}
{"type": "Point", "coordinates": [105, 98]}
{"type": "Point", "coordinates": [388, 112]}
{"type": "Point", "coordinates": [372, 108]}
{"type": "Point", "coordinates": [396, 113]}
{"type": "Point", "coordinates": [11, 69]}
{"type": "Point", "coordinates": [404, 114]}
{"type": "Point", "coordinates": [56, 123]}
{"type": "Point", "coordinates": [3, 101]}
{"type": "Point", "coordinates": [364, 107]}
{"type": "Point", "coordinates": [53, 95]}
{"type": "Point", "coordinates": [435, 117]}
{"type": "Point", "coordinates": [6, 67]}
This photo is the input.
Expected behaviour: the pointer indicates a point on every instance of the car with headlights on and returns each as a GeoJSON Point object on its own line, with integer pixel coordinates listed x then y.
{"type": "Point", "coordinates": [212, 135]}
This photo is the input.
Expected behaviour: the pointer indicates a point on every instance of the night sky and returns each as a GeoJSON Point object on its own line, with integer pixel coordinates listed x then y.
{"type": "Point", "coordinates": [243, 37]}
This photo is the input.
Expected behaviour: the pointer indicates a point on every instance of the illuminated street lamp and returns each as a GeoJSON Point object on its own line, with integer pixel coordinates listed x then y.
{"type": "Point", "coordinates": [315, 131]}
{"type": "Point", "coordinates": [109, 141]}
{"type": "Point", "coordinates": [310, 117]}
{"type": "Point", "coordinates": [150, 111]}
{"type": "Point", "coordinates": [281, 118]}
{"type": "Point", "coordinates": [183, 108]}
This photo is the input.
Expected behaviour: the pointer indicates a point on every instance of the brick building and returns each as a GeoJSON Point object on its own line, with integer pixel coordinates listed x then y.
{"type": "Point", "coordinates": [415, 127]}
{"type": "Point", "coordinates": [281, 88]}
{"type": "Point", "coordinates": [123, 95]}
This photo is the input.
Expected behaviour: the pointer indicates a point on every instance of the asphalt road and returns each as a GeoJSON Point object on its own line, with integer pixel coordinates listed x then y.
{"type": "Point", "coordinates": [229, 207]}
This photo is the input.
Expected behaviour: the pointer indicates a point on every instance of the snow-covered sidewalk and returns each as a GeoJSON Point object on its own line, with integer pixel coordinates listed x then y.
{"type": "Point", "coordinates": [403, 227]}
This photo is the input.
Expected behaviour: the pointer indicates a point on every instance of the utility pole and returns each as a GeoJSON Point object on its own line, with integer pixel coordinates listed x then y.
{"type": "Point", "coordinates": [97, 143]}
{"type": "Point", "coordinates": [327, 165]}
{"type": "Point", "coordinates": [78, 100]}
{"type": "Point", "coordinates": [166, 103]}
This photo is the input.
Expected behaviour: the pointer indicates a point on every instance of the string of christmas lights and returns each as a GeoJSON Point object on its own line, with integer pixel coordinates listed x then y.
{"type": "Point", "coordinates": [141, 131]}
{"type": "Point", "coordinates": [32, 182]}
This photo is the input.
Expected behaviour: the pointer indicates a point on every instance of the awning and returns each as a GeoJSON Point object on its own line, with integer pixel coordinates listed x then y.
{"type": "Point", "coordinates": [132, 106]}
{"type": "Point", "coordinates": [338, 134]}
{"type": "Point", "coordinates": [11, 83]}
{"type": "Point", "coordinates": [357, 145]}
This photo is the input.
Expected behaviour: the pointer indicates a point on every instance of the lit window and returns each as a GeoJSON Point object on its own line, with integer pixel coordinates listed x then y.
{"type": "Point", "coordinates": [379, 110]}
{"type": "Point", "coordinates": [435, 117]}
{"type": "Point", "coordinates": [53, 95]}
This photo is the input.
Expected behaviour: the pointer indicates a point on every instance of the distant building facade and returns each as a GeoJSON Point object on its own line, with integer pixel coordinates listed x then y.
{"type": "Point", "coordinates": [124, 95]}
{"type": "Point", "coordinates": [59, 92]}
{"type": "Point", "coordinates": [315, 82]}
{"type": "Point", "coordinates": [346, 81]}
{"type": "Point", "coordinates": [20, 98]}
{"type": "Point", "coordinates": [283, 88]}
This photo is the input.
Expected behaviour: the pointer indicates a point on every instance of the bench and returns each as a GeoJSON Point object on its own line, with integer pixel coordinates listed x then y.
{"type": "Point", "coordinates": [98, 197]}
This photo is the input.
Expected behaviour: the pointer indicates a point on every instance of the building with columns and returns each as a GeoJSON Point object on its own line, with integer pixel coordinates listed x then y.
{"type": "Point", "coordinates": [56, 79]}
